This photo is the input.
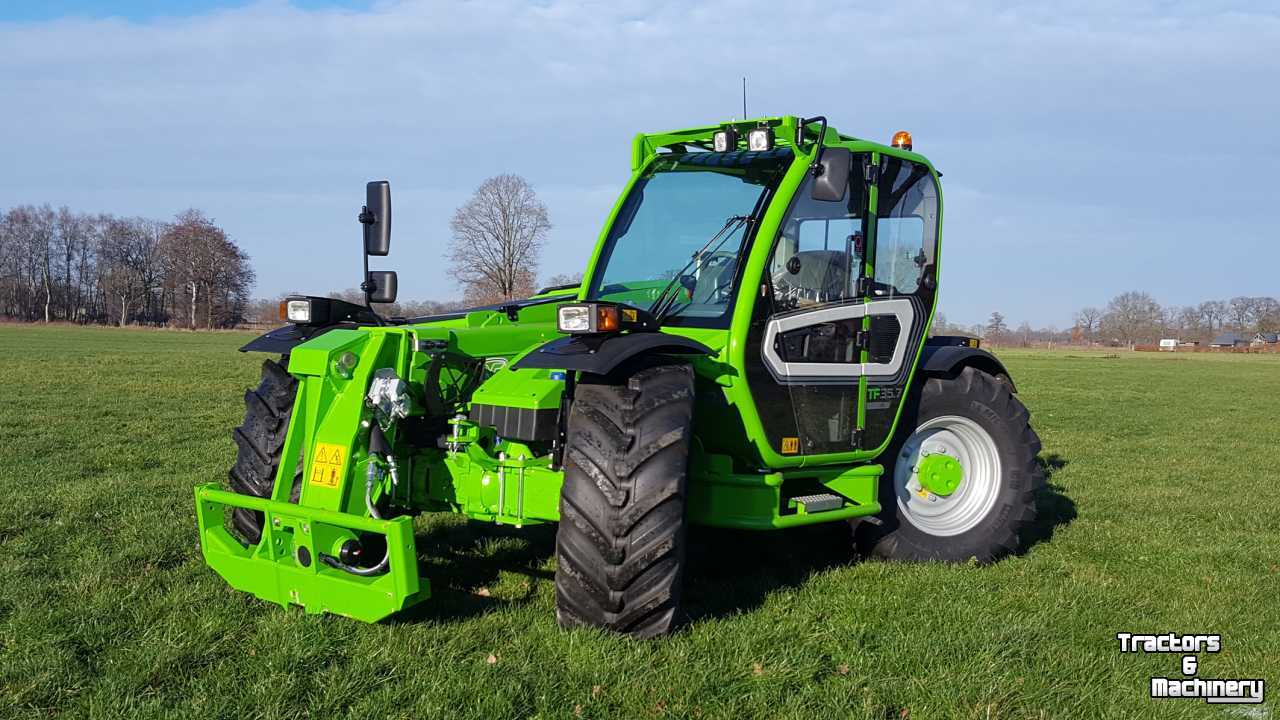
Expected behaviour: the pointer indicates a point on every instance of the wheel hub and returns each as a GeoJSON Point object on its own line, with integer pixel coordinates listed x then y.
{"type": "Point", "coordinates": [940, 474]}
{"type": "Point", "coordinates": [947, 476]}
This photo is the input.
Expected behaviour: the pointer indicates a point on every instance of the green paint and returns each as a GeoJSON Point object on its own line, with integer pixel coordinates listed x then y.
{"type": "Point", "coordinates": [448, 463]}
{"type": "Point", "coordinates": [939, 474]}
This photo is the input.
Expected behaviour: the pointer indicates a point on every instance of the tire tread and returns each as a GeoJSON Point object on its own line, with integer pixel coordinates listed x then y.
{"type": "Point", "coordinates": [620, 545]}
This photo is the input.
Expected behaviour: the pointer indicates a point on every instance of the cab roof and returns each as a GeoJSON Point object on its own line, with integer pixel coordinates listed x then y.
{"type": "Point", "coordinates": [786, 130]}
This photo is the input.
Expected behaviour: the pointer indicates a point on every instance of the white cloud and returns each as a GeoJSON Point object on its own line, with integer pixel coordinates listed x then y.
{"type": "Point", "coordinates": [1129, 126]}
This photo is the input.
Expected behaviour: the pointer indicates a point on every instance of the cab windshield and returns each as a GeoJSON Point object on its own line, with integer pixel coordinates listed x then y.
{"type": "Point", "coordinates": [663, 228]}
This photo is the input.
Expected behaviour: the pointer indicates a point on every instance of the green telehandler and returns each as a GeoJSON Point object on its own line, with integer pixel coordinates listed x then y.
{"type": "Point", "coordinates": [749, 348]}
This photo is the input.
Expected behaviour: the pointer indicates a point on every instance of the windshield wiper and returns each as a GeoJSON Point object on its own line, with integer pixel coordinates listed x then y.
{"type": "Point", "coordinates": [666, 299]}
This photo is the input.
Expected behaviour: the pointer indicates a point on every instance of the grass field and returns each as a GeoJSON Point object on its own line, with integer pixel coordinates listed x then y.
{"type": "Point", "coordinates": [1161, 516]}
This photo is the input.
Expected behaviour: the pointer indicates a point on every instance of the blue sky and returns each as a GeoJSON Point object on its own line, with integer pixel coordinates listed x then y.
{"type": "Point", "coordinates": [1089, 148]}
{"type": "Point", "coordinates": [145, 10]}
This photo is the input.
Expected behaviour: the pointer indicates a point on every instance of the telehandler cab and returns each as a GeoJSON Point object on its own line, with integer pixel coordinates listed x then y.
{"type": "Point", "coordinates": [749, 348]}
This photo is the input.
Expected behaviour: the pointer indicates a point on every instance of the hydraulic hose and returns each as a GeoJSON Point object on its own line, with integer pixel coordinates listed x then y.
{"type": "Point", "coordinates": [370, 479]}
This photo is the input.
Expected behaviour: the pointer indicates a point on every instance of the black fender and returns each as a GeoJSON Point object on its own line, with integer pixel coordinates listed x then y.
{"type": "Point", "coordinates": [281, 340]}
{"type": "Point", "coordinates": [599, 354]}
{"type": "Point", "coordinates": [948, 360]}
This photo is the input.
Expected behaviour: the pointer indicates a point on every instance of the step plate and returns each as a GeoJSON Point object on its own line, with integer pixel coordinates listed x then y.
{"type": "Point", "coordinates": [817, 503]}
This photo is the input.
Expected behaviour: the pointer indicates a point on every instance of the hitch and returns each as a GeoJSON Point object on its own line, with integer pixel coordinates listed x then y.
{"type": "Point", "coordinates": [283, 566]}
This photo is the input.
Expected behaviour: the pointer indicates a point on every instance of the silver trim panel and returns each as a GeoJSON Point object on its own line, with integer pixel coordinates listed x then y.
{"type": "Point", "coordinates": [794, 371]}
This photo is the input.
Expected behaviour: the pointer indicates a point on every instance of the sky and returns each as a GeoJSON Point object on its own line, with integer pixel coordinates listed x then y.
{"type": "Point", "coordinates": [1088, 148]}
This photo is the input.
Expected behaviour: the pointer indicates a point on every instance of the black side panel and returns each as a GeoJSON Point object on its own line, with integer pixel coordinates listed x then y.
{"type": "Point", "coordinates": [598, 354]}
{"type": "Point", "coordinates": [948, 361]}
{"type": "Point", "coordinates": [517, 423]}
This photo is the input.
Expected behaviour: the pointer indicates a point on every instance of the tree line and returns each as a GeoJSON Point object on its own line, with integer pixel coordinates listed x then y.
{"type": "Point", "coordinates": [61, 265]}
{"type": "Point", "coordinates": [1136, 318]}
{"type": "Point", "coordinates": [103, 269]}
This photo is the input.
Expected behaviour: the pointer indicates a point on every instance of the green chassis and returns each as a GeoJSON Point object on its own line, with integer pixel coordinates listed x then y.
{"type": "Point", "coordinates": [737, 477]}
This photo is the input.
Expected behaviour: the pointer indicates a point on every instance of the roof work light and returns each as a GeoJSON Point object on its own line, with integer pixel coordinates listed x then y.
{"type": "Point", "coordinates": [760, 139]}
{"type": "Point", "coordinates": [725, 140]}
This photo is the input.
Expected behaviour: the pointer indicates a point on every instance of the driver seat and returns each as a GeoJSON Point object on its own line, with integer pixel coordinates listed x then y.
{"type": "Point", "coordinates": [823, 274]}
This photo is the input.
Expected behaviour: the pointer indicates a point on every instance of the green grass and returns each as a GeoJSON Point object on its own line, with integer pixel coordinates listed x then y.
{"type": "Point", "coordinates": [1162, 516]}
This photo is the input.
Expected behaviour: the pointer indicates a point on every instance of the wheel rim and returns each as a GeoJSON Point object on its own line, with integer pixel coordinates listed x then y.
{"type": "Point", "coordinates": [935, 502]}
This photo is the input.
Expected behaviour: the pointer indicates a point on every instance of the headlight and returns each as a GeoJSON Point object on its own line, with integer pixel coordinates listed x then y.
{"type": "Point", "coordinates": [574, 318]}
{"type": "Point", "coordinates": [588, 318]}
{"type": "Point", "coordinates": [760, 139]}
{"type": "Point", "coordinates": [298, 311]}
{"type": "Point", "coordinates": [302, 310]}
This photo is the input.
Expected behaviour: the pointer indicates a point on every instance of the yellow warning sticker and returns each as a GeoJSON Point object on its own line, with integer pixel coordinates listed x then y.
{"type": "Point", "coordinates": [790, 446]}
{"type": "Point", "coordinates": [629, 315]}
{"type": "Point", "coordinates": [326, 465]}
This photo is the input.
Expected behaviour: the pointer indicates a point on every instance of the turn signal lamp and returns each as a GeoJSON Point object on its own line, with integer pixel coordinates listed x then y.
{"type": "Point", "coordinates": [606, 318]}
{"type": "Point", "coordinates": [902, 139]}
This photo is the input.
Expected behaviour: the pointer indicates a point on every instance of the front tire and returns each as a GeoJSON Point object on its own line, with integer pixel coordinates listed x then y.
{"type": "Point", "coordinates": [620, 547]}
{"type": "Point", "coordinates": [961, 477]}
{"type": "Point", "coordinates": [259, 442]}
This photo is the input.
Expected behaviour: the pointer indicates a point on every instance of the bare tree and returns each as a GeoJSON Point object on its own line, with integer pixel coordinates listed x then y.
{"type": "Point", "coordinates": [1240, 311]}
{"type": "Point", "coordinates": [497, 237]}
{"type": "Point", "coordinates": [1267, 314]}
{"type": "Point", "coordinates": [1024, 334]}
{"type": "Point", "coordinates": [72, 239]}
{"type": "Point", "coordinates": [563, 279]}
{"type": "Point", "coordinates": [996, 328]}
{"type": "Point", "coordinates": [1191, 322]}
{"type": "Point", "coordinates": [1087, 319]}
{"type": "Point", "coordinates": [1213, 312]}
{"type": "Point", "coordinates": [192, 245]}
{"type": "Point", "coordinates": [1133, 316]}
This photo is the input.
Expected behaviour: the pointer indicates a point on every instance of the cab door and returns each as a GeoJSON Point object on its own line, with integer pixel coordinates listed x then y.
{"type": "Point", "coordinates": [804, 358]}
{"type": "Point", "coordinates": [839, 320]}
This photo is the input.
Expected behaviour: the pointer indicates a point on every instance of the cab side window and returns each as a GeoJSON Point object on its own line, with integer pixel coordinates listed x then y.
{"type": "Point", "coordinates": [906, 228]}
{"type": "Point", "coordinates": [818, 255]}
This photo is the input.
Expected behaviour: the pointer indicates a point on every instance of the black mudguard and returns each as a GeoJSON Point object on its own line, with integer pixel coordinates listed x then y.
{"type": "Point", "coordinates": [281, 340]}
{"type": "Point", "coordinates": [948, 360]}
{"type": "Point", "coordinates": [599, 354]}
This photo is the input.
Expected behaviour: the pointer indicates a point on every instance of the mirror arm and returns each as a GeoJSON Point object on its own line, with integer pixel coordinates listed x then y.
{"type": "Point", "coordinates": [366, 217]}
{"type": "Point", "coordinates": [816, 166]}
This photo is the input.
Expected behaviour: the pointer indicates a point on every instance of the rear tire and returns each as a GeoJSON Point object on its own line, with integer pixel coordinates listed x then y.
{"type": "Point", "coordinates": [620, 547]}
{"type": "Point", "coordinates": [259, 442]}
{"type": "Point", "coordinates": [976, 418]}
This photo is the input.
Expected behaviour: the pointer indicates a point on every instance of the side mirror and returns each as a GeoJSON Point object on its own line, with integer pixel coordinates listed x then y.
{"type": "Point", "coordinates": [833, 175]}
{"type": "Point", "coordinates": [376, 218]}
{"type": "Point", "coordinates": [383, 286]}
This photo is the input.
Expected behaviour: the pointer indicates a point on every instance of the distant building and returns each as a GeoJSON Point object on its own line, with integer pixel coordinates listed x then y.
{"type": "Point", "coordinates": [1266, 339]}
{"type": "Point", "coordinates": [1229, 339]}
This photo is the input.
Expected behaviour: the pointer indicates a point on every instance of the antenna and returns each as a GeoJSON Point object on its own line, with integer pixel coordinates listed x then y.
{"type": "Point", "coordinates": [744, 97]}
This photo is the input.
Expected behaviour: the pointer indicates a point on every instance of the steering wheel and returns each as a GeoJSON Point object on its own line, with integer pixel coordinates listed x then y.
{"type": "Point", "coordinates": [723, 264]}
